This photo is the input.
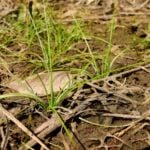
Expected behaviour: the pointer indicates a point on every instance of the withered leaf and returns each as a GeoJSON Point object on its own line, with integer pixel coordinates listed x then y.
{"type": "Point", "coordinates": [38, 83]}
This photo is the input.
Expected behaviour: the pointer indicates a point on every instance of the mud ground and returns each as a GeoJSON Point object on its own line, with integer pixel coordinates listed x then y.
{"type": "Point", "coordinates": [109, 113]}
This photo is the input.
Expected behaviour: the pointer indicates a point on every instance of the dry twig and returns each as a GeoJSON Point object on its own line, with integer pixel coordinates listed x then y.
{"type": "Point", "coordinates": [22, 127]}
{"type": "Point", "coordinates": [53, 123]}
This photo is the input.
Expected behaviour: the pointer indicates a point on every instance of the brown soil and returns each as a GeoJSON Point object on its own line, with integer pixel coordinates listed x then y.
{"type": "Point", "coordinates": [117, 107]}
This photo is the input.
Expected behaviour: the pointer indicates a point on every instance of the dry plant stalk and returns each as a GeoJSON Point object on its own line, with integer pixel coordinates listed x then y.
{"type": "Point", "coordinates": [22, 127]}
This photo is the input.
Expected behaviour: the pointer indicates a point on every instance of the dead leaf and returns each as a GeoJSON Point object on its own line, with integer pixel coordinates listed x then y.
{"type": "Point", "coordinates": [115, 50]}
{"type": "Point", "coordinates": [37, 83]}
